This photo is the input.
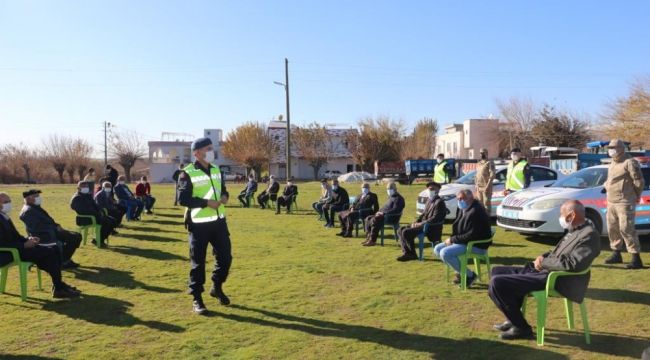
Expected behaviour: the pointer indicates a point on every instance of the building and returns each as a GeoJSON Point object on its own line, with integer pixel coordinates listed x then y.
{"type": "Point", "coordinates": [340, 158]}
{"type": "Point", "coordinates": [463, 141]}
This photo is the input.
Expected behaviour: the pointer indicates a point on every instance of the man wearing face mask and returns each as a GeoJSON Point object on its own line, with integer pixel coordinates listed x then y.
{"type": "Point", "coordinates": [339, 201]}
{"type": "Point", "coordinates": [365, 203]}
{"type": "Point", "coordinates": [472, 223]}
{"type": "Point", "coordinates": [104, 199]}
{"type": "Point", "coordinates": [394, 205]}
{"type": "Point", "coordinates": [84, 204]}
{"type": "Point", "coordinates": [325, 197]}
{"type": "Point", "coordinates": [624, 186]}
{"type": "Point", "coordinates": [39, 223]}
{"type": "Point", "coordinates": [202, 190]}
{"type": "Point", "coordinates": [484, 176]}
{"type": "Point", "coordinates": [442, 171]}
{"type": "Point", "coordinates": [434, 214]}
{"type": "Point", "coordinates": [270, 193]}
{"type": "Point", "coordinates": [575, 252]}
{"type": "Point", "coordinates": [288, 196]}
{"type": "Point", "coordinates": [29, 249]}
{"type": "Point", "coordinates": [127, 199]}
{"type": "Point", "coordinates": [175, 176]}
{"type": "Point", "coordinates": [518, 175]}
{"type": "Point", "coordinates": [246, 194]}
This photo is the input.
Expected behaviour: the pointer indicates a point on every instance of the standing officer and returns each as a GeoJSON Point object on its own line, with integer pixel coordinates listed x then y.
{"type": "Point", "coordinates": [624, 186]}
{"type": "Point", "coordinates": [518, 175]}
{"type": "Point", "coordinates": [484, 177]}
{"type": "Point", "coordinates": [175, 176]}
{"type": "Point", "coordinates": [202, 190]}
{"type": "Point", "coordinates": [442, 170]}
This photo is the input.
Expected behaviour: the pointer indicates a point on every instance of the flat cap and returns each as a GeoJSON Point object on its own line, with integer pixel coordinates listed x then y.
{"type": "Point", "coordinates": [616, 143]}
{"type": "Point", "coordinates": [201, 143]}
{"type": "Point", "coordinates": [31, 192]}
{"type": "Point", "coordinates": [515, 150]}
{"type": "Point", "coordinates": [483, 150]}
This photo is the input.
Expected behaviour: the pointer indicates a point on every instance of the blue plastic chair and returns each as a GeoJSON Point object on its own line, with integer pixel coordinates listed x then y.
{"type": "Point", "coordinates": [390, 220]}
{"type": "Point", "coordinates": [421, 235]}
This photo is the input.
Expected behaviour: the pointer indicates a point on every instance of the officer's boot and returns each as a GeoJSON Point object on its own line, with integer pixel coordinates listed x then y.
{"type": "Point", "coordinates": [217, 292]}
{"type": "Point", "coordinates": [198, 306]}
{"type": "Point", "coordinates": [636, 262]}
{"type": "Point", "coordinates": [615, 258]}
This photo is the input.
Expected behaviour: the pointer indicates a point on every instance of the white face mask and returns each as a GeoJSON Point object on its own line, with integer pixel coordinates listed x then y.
{"type": "Point", "coordinates": [564, 224]}
{"type": "Point", "coordinates": [108, 190]}
{"type": "Point", "coordinates": [612, 152]}
{"type": "Point", "coordinates": [6, 208]}
{"type": "Point", "coordinates": [515, 157]}
{"type": "Point", "coordinates": [390, 192]}
{"type": "Point", "coordinates": [84, 190]}
{"type": "Point", "coordinates": [335, 187]}
{"type": "Point", "coordinates": [365, 190]}
{"type": "Point", "coordinates": [289, 183]}
{"type": "Point", "coordinates": [209, 157]}
{"type": "Point", "coordinates": [432, 194]}
{"type": "Point", "coordinates": [38, 201]}
{"type": "Point", "coordinates": [440, 160]}
{"type": "Point", "coordinates": [121, 182]}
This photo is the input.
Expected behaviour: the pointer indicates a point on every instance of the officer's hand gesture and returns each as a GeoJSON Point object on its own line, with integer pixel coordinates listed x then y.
{"type": "Point", "coordinates": [214, 204]}
{"type": "Point", "coordinates": [224, 199]}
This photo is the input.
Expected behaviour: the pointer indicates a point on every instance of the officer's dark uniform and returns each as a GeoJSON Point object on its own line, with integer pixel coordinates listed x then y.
{"type": "Point", "coordinates": [213, 232]}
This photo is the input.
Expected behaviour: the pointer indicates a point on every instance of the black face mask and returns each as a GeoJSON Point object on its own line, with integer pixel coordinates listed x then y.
{"type": "Point", "coordinates": [483, 156]}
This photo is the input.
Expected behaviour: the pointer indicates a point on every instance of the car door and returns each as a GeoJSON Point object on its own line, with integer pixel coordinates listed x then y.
{"type": "Point", "coordinates": [642, 221]}
{"type": "Point", "coordinates": [540, 176]}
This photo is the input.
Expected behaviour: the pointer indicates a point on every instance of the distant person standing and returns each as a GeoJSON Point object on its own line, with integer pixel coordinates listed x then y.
{"type": "Point", "coordinates": [177, 173]}
{"type": "Point", "coordinates": [484, 176]}
{"type": "Point", "coordinates": [91, 178]}
{"type": "Point", "coordinates": [442, 171]}
{"type": "Point", "coordinates": [624, 186]}
{"type": "Point", "coordinates": [518, 175]}
{"type": "Point", "coordinates": [111, 174]}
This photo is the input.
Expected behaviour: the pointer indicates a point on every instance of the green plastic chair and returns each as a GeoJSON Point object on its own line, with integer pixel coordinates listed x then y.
{"type": "Point", "coordinates": [83, 229]}
{"type": "Point", "coordinates": [392, 221]}
{"type": "Point", "coordinates": [295, 203]}
{"type": "Point", "coordinates": [541, 297]}
{"type": "Point", "coordinates": [250, 199]}
{"type": "Point", "coordinates": [23, 268]}
{"type": "Point", "coordinates": [469, 254]}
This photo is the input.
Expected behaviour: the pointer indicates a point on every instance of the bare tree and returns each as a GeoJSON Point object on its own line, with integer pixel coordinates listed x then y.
{"type": "Point", "coordinates": [378, 139]}
{"type": "Point", "coordinates": [314, 145]}
{"type": "Point", "coordinates": [421, 143]}
{"type": "Point", "coordinates": [518, 115]}
{"type": "Point", "coordinates": [18, 159]}
{"type": "Point", "coordinates": [128, 148]}
{"type": "Point", "coordinates": [250, 145]}
{"type": "Point", "coordinates": [55, 148]}
{"type": "Point", "coordinates": [628, 117]}
{"type": "Point", "coordinates": [560, 128]}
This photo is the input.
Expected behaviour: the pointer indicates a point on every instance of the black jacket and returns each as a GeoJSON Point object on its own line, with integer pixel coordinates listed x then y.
{"type": "Point", "coordinates": [84, 204]}
{"type": "Point", "coordinates": [472, 224]}
{"type": "Point", "coordinates": [289, 191]}
{"type": "Point", "coordinates": [434, 213]}
{"type": "Point", "coordinates": [394, 205]}
{"type": "Point", "coordinates": [39, 223]}
{"type": "Point", "coordinates": [104, 200]}
{"type": "Point", "coordinates": [112, 176]}
{"type": "Point", "coordinates": [340, 197]}
{"type": "Point", "coordinates": [368, 202]}
{"type": "Point", "coordinates": [272, 189]}
{"type": "Point", "coordinates": [9, 237]}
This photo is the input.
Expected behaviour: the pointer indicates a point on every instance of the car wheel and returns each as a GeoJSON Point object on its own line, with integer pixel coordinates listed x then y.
{"type": "Point", "coordinates": [593, 216]}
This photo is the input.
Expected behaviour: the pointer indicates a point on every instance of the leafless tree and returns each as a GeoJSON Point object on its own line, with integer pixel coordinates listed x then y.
{"type": "Point", "coordinates": [628, 117]}
{"type": "Point", "coordinates": [127, 147]}
{"type": "Point", "coordinates": [56, 148]}
{"type": "Point", "coordinates": [518, 116]}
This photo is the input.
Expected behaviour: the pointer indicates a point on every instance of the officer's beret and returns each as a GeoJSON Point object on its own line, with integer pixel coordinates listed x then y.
{"type": "Point", "coordinates": [515, 150]}
{"type": "Point", "coordinates": [201, 143]}
{"type": "Point", "coordinates": [30, 192]}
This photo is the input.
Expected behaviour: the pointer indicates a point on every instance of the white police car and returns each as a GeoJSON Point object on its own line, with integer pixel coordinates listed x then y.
{"type": "Point", "coordinates": [536, 211]}
{"type": "Point", "coordinates": [540, 176]}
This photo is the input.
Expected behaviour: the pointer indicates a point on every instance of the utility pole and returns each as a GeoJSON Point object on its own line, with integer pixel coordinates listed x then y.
{"type": "Point", "coordinates": [286, 88]}
{"type": "Point", "coordinates": [106, 125]}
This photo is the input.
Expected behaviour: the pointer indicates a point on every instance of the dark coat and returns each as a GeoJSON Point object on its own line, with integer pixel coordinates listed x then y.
{"type": "Point", "coordinates": [368, 202]}
{"type": "Point", "coordinates": [112, 176]}
{"type": "Point", "coordinates": [394, 205]}
{"type": "Point", "coordinates": [289, 191]}
{"type": "Point", "coordinates": [39, 223]}
{"type": "Point", "coordinates": [9, 237]}
{"type": "Point", "coordinates": [339, 197]}
{"type": "Point", "coordinates": [123, 192]}
{"type": "Point", "coordinates": [434, 213]}
{"type": "Point", "coordinates": [84, 204]}
{"type": "Point", "coordinates": [105, 201]}
{"type": "Point", "coordinates": [471, 225]}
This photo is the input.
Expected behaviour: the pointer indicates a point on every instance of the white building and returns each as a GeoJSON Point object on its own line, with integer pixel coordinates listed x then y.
{"type": "Point", "coordinates": [463, 141]}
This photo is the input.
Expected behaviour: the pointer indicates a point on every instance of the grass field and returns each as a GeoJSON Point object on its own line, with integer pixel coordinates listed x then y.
{"type": "Point", "coordinates": [299, 292]}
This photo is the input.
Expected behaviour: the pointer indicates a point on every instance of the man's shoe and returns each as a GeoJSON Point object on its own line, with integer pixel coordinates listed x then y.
{"type": "Point", "coordinates": [515, 333]}
{"type": "Point", "coordinates": [71, 289]}
{"type": "Point", "coordinates": [369, 243]}
{"type": "Point", "coordinates": [615, 258]}
{"type": "Point", "coordinates": [347, 235]}
{"type": "Point", "coordinates": [456, 280]}
{"type": "Point", "coordinates": [470, 280]}
{"type": "Point", "coordinates": [636, 262]}
{"type": "Point", "coordinates": [64, 293]}
{"type": "Point", "coordinates": [340, 234]}
{"type": "Point", "coordinates": [69, 265]}
{"type": "Point", "coordinates": [114, 232]}
{"type": "Point", "coordinates": [217, 292]}
{"type": "Point", "coordinates": [504, 326]}
{"type": "Point", "coordinates": [199, 307]}
{"type": "Point", "coordinates": [407, 257]}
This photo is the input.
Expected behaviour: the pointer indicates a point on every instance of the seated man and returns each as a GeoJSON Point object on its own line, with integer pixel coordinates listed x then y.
{"type": "Point", "coordinates": [339, 201]}
{"type": "Point", "coordinates": [246, 194]}
{"type": "Point", "coordinates": [472, 223]}
{"type": "Point", "coordinates": [143, 193]}
{"type": "Point", "coordinates": [83, 204]}
{"type": "Point", "coordinates": [365, 204]}
{"type": "Point", "coordinates": [288, 195]}
{"type": "Point", "coordinates": [394, 206]}
{"type": "Point", "coordinates": [434, 214]}
{"type": "Point", "coordinates": [104, 199]}
{"type": "Point", "coordinates": [40, 224]}
{"type": "Point", "coordinates": [126, 198]}
{"type": "Point", "coordinates": [325, 196]}
{"type": "Point", "coordinates": [575, 252]}
{"type": "Point", "coordinates": [29, 249]}
{"type": "Point", "coordinates": [270, 193]}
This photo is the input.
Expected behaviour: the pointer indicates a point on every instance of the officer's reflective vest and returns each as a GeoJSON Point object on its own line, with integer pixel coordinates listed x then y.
{"type": "Point", "coordinates": [440, 174]}
{"type": "Point", "coordinates": [515, 178]}
{"type": "Point", "coordinates": [208, 188]}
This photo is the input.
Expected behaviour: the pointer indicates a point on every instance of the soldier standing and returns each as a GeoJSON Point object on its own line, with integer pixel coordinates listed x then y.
{"type": "Point", "coordinates": [484, 176]}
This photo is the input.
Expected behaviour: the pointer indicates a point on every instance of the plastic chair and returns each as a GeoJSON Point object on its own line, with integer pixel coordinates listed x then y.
{"type": "Point", "coordinates": [23, 268]}
{"type": "Point", "coordinates": [129, 209]}
{"type": "Point", "coordinates": [469, 254]}
{"type": "Point", "coordinates": [391, 220]}
{"type": "Point", "coordinates": [421, 235]}
{"type": "Point", "coordinates": [294, 199]}
{"type": "Point", "coordinates": [363, 213]}
{"type": "Point", "coordinates": [541, 297]}
{"type": "Point", "coordinates": [250, 199]}
{"type": "Point", "coordinates": [83, 229]}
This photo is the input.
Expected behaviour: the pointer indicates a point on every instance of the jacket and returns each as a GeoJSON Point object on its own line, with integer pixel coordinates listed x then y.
{"type": "Point", "coordinates": [394, 205]}
{"type": "Point", "coordinates": [485, 173]}
{"type": "Point", "coordinates": [9, 237]}
{"type": "Point", "coordinates": [84, 204]}
{"type": "Point", "coordinates": [251, 187]}
{"type": "Point", "coordinates": [105, 200]}
{"type": "Point", "coordinates": [625, 181]}
{"type": "Point", "coordinates": [367, 202]}
{"type": "Point", "coordinates": [575, 252]}
{"type": "Point", "coordinates": [289, 191]}
{"type": "Point", "coordinates": [339, 197]}
{"type": "Point", "coordinates": [39, 223]}
{"type": "Point", "coordinates": [472, 224]}
{"type": "Point", "coordinates": [143, 189]}
{"type": "Point", "coordinates": [434, 214]}
{"type": "Point", "coordinates": [185, 191]}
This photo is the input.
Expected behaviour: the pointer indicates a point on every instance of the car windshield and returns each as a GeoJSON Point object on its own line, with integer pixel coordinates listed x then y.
{"type": "Point", "coordinates": [583, 179]}
{"type": "Point", "coordinates": [467, 179]}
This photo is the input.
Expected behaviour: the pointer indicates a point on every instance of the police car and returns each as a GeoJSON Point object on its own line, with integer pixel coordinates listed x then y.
{"type": "Point", "coordinates": [536, 211]}
{"type": "Point", "coordinates": [540, 176]}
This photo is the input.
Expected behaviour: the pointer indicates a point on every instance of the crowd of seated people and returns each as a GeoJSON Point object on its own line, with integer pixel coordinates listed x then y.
{"type": "Point", "coordinates": [127, 199]}
{"type": "Point", "coordinates": [84, 205]}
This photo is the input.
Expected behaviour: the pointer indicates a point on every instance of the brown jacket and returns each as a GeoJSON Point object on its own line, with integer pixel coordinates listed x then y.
{"type": "Point", "coordinates": [624, 181]}
{"type": "Point", "coordinates": [484, 174]}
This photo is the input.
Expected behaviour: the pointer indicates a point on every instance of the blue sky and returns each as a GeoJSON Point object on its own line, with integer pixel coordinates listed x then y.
{"type": "Point", "coordinates": [181, 66]}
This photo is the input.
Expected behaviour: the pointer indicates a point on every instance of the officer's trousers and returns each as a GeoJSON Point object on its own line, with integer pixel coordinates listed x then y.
{"type": "Point", "coordinates": [216, 234]}
{"type": "Point", "coordinates": [620, 225]}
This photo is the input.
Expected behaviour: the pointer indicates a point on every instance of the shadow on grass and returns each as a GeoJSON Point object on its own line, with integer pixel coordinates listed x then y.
{"type": "Point", "coordinates": [166, 222]}
{"type": "Point", "coordinates": [116, 278]}
{"type": "Point", "coordinates": [619, 295]}
{"type": "Point", "coordinates": [31, 357]}
{"type": "Point", "coordinates": [105, 311]}
{"type": "Point", "coordinates": [173, 216]}
{"type": "Point", "coordinates": [439, 347]}
{"type": "Point", "coordinates": [153, 229]}
{"type": "Point", "coordinates": [601, 342]}
{"type": "Point", "coordinates": [153, 254]}
{"type": "Point", "coordinates": [149, 237]}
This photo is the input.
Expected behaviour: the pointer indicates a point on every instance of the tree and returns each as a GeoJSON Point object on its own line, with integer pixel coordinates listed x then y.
{"type": "Point", "coordinates": [128, 148]}
{"type": "Point", "coordinates": [518, 115]}
{"type": "Point", "coordinates": [377, 140]}
{"type": "Point", "coordinates": [55, 148]}
{"type": "Point", "coordinates": [421, 144]}
{"type": "Point", "coordinates": [250, 145]}
{"type": "Point", "coordinates": [314, 145]}
{"type": "Point", "coordinates": [628, 118]}
{"type": "Point", "coordinates": [555, 128]}
{"type": "Point", "coordinates": [18, 159]}
{"type": "Point", "coordinates": [77, 152]}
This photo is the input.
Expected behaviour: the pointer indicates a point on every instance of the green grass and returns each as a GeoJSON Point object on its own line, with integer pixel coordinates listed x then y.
{"type": "Point", "coordinates": [298, 292]}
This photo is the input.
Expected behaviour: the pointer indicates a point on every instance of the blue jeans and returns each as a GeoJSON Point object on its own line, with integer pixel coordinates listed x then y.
{"type": "Point", "coordinates": [449, 255]}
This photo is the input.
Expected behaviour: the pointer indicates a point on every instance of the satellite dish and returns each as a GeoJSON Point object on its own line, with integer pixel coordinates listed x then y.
{"type": "Point", "coordinates": [280, 117]}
